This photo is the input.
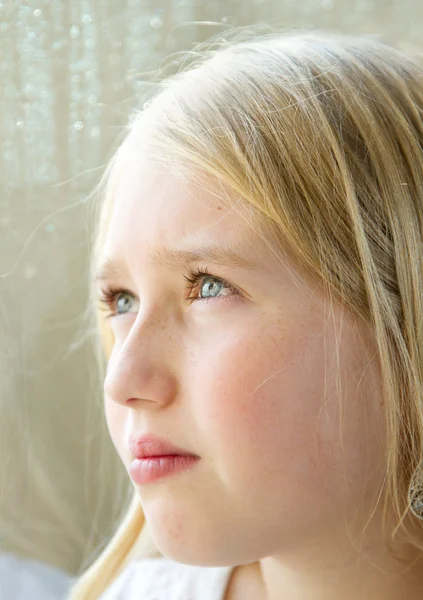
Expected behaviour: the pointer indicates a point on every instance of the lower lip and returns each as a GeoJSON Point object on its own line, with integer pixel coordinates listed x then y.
{"type": "Point", "coordinates": [145, 470]}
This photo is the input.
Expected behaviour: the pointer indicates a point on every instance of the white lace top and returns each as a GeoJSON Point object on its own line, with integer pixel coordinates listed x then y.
{"type": "Point", "coordinates": [164, 579]}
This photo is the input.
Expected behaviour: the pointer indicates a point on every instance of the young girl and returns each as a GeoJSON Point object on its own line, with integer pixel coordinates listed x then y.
{"type": "Point", "coordinates": [259, 265]}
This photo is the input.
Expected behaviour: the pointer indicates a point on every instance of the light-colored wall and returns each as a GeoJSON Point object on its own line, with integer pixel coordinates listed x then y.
{"type": "Point", "coordinates": [70, 73]}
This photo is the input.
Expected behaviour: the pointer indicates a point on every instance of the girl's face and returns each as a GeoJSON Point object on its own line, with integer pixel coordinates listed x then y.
{"type": "Point", "coordinates": [249, 368]}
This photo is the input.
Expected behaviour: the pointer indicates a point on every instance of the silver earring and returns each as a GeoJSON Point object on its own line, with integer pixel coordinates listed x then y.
{"type": "Point", "coordinates": [415, 492]}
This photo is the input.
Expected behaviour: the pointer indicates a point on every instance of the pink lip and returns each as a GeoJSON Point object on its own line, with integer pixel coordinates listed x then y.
{"type": "Point", "coordinates": [150, 445]}
{"type": "Point", "coordinates": [156, 458]}
{"type": "Point", "coordinates": [145, 470]}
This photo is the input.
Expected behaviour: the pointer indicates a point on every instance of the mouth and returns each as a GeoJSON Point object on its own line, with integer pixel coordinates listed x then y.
{"type": "Point", "coordinates": [155, 458]}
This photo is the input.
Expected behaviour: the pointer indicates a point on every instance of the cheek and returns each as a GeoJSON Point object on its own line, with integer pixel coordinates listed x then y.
{"type": "Point", "coordinates": [262, 397]}
{"type": "Point", "coordinates": [272, 413]}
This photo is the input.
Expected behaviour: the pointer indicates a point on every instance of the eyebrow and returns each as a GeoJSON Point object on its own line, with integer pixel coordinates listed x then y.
{"type": "Point", "coordinates": [176, 259]}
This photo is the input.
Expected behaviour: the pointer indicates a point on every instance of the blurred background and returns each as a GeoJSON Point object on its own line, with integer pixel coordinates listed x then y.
{"type": "Point", "coordinates": [71, 72]}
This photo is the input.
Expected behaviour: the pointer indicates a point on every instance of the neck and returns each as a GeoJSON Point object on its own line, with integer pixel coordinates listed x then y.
{"type": "Point", "coordinates": [342, 576]}
{"type": "Point", "coordinates": [332, 572]}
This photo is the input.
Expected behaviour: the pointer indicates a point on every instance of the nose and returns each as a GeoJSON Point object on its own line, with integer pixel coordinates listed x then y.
{"type": "Point", "coordinates": [139, 369]}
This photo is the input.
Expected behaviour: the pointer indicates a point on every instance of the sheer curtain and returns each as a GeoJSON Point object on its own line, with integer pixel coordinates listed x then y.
{"type": "Point", "coordinates": [70, 74]}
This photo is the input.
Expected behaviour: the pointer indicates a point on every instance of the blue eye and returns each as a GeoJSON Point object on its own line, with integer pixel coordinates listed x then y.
{"type": "Point", "coordinates": [124, 302]}
{"type": "Point", "coordinates": [117, 301]}
{"type": "Point", "coordinates": [209, 285]}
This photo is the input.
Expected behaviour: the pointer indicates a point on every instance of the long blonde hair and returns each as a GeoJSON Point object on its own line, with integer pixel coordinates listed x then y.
{"type": "Point", "coordinates": [323, 135]}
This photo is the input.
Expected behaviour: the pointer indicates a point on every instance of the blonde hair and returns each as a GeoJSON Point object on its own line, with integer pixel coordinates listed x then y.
{"type": "Point", "coordinates": [322, 134]}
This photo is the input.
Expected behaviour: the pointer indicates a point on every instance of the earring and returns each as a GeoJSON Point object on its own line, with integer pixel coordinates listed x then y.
{"type": "Point", "coordinates": [415, 492]}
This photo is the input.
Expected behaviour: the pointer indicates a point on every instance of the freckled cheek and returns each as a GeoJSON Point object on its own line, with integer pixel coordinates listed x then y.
{"type": "Point", "coordinates": [254, 401]}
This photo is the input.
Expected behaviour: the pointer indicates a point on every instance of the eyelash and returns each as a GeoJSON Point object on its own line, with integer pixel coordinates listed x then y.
{"type": "Point", "coordinates": [109, 294]}
{"type": "Point", "coordinates": [194, 276]}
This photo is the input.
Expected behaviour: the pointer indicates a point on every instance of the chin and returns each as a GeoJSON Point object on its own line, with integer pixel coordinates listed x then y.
{"type": "Point", "coordinates": [191, 550]}
{"type": "Point", "coordinates": [183, 534]}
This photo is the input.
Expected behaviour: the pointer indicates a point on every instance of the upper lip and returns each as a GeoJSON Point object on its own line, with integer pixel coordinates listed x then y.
{"type": "Point", "coordinates": [151, 445]}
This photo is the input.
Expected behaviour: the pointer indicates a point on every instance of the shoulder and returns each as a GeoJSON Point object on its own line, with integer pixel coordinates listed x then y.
{"type": "Point", "coordinates": [164, 579]}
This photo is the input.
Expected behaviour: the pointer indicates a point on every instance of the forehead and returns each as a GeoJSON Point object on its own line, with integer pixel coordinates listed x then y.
{"type": "Point", "coordinates": [158, 206]}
